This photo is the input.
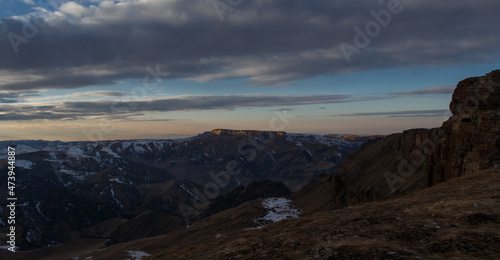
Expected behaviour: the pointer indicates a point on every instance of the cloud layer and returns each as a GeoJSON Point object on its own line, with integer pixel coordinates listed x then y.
{"type": "Point", "coordinates": [265, 42]}
{"type": "Point", "coordinates": [405, 113]}
{"type": "Point", "coordinates": [447, 89]}
{"type": "Point", "coordinates": [73, 110]}
{"type": "Point", "coordinates": [75, 45]}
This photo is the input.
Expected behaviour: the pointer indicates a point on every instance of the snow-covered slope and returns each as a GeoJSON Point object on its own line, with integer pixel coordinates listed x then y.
{"type": "Point", "coordinates": [79, 184]}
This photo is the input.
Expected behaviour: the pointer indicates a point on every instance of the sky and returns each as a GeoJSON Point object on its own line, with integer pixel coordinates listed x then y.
{"type": "Point", "coordinates": [154, 69]}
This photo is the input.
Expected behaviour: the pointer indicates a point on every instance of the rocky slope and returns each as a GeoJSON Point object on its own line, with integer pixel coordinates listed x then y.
{"type": "Point", "coordinates": [247, 156]}
{"type": "Point", "coordinates": [467, 142]}
{"type": "Point", "coordinates": [458, 219]}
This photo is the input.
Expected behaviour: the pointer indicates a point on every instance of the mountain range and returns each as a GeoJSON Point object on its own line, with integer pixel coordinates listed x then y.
{"type": "Point", "coordinates": [65, 187]}
{"type": "Point", "coordinates": [236, 194]}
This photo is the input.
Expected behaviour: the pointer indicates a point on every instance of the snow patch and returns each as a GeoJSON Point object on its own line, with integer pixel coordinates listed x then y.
{"type": "Point", "coordinates": [40, 211]}
{"type": "Point", "coordinates": [76, 152]}
{"type": "Point", "coordinates": [24, 164]}
{"type": "Point", "coordinates": [188, 191]}
{"type": "Point", "coordinates": [77, 175]}
{"type": "Point", "coordinates": [113, 195]}
{"type": "Point", "coordinates": [299, 138]}
{"type": "Point", "coordinates": [279, 209]}
{"type": "Point", "coordinates": [137, 255]}
{"type": "Point", "coordinates": [125, 145]}
{"type": "Point", "coordinates": [117, 179]}
{"type": "Point", "coordinates": [53, 156]}
{"type": "Point", "coordinates": [139, 149]}
{"type": "Point", "coordinates": [21, 148]}
{"type": "Point", "coordinates": [110, 152]}
{"type": "Point", "coordinates": [310, 154]}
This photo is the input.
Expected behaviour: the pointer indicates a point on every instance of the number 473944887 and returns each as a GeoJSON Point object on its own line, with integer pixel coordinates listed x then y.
{"type": "Point", "coordinates": [11, 185]}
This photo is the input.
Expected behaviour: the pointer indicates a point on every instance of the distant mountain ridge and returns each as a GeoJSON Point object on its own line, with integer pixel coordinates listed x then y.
{"type": "Point", "coordinates": [247, 132]}
{"type": "Point", "coordinates": [124, 178]}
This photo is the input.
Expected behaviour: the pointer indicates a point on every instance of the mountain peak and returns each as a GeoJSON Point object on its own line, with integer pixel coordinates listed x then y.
{"type": "Point", "coordinates": [246, 132]}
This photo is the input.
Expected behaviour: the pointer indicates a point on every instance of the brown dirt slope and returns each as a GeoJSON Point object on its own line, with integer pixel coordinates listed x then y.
{"type": "Point", "coordinates": [228, 223]}
{"type": "Point", "coordinates": [458, 219]}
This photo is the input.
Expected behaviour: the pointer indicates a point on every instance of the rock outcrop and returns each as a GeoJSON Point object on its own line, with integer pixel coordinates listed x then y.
{"type": "Point", "coordinates": [470, 139]}
{"type": "Point", "coordinates": [467, 142]}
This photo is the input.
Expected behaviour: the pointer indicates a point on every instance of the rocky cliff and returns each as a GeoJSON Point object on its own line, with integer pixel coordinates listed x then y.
{"type": "Point", "coordinates": [467, 142]}
{"type": "Point", "coordinates": [470, 139]}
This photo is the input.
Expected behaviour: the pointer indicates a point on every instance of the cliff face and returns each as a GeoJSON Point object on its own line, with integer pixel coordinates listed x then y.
{"type": "Point", "coordinates": [470, 139]}
{"type": "Point", "coordinates": [467, 142]}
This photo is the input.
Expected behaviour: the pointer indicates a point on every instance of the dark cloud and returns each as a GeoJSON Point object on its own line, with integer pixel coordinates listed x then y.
{"type": "Point", "coordinates": [58, 82]}
{"type": "Point", "coordinates": [100, 93]}
{"type": "Point", "coordinates": [14, 97]}
{"type": "Point", "coordinates": [448, 89]}
{"type": "Point", "coordinates": [9, 97]}
{"type": "Point", "coordinates": [266, 42]}
{"type": "Point", "coordinates": [282, 109]}
{"type": "Point", "coordinates": [128, 109]}
{"type": "Point", "coordinates": [406, 113]}
{"type": "Point", "coordinates": [36, 116]}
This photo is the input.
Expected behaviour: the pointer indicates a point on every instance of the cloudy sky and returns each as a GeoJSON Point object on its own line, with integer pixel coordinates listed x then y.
{"type": "Point", "coordinates": [94, 70]}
